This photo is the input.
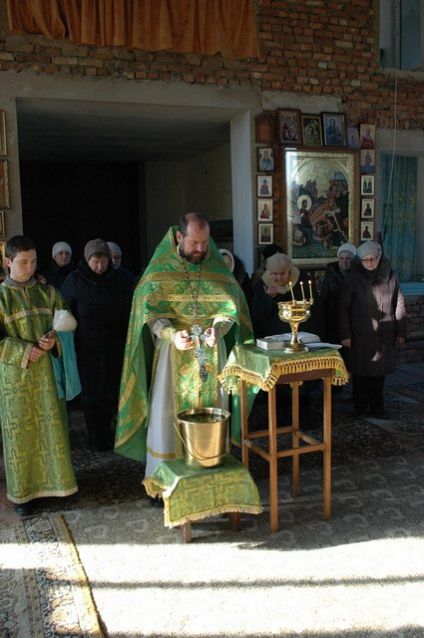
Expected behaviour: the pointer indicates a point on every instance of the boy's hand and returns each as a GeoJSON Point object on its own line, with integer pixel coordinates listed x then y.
{"type": "Point", "coordinates": [46, 343]}
{"type": "Point", "coordinates": [35, 354]}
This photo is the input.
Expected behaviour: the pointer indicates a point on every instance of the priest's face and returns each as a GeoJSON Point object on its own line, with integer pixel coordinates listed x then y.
{"type": "Point", "coordinates": [194, 243]}
{"type": "Point", "coordinates": [23, 265]}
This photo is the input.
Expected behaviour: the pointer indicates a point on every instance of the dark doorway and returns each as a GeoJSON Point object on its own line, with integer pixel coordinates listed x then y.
{"type": "Point", "coordinates": [76, 202]}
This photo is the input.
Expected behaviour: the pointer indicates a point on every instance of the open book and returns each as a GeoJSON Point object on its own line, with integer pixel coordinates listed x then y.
{"type": "Point", "coordinates": [275, 342]}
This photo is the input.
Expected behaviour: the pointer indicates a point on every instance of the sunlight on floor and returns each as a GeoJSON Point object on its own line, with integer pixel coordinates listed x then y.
{"type": "Point", "coordinates": [226, 589]}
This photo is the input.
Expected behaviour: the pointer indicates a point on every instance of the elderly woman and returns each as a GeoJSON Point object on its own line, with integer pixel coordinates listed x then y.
{"type": "Point", "coordinates": [274, 287]}
{"type": "Point", "coordinates": [100, 298]}
{"type": "Point", "coordinates": [333, 282]}
{"type": "Point", "coordinates": [372, 322]}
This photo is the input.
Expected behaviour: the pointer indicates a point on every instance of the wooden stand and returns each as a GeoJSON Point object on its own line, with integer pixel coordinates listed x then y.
{"type": "Point", "coordinates": [234, 518]}
{"type": "Point", "coordinates": [301, 443]}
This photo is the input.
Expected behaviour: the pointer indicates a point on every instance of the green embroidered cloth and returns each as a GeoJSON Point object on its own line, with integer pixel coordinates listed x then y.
{"type": "Point", "coordinates": [262, 368]}
{"type": "Point", "coordinates": [192, 494]}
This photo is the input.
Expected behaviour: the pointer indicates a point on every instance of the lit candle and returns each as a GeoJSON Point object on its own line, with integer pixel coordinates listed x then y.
{"type": "Point", "coordinates": [310, 291]}
{"type": "Point", "coordinates": [303, 291]}
{"type": "Point", "coordinates": [291, 290]}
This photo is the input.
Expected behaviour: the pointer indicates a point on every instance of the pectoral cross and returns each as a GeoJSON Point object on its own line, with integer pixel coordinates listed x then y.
{"type": "Point", "coordinates": [198, 338]}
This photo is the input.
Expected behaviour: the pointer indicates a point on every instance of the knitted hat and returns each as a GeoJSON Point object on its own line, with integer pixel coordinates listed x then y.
{"type": "Point", "coordinates": [369, 249]}
{"type": "Point", "coordinates": [347, 248]}
{"type": "Point", "coordinates": [96, 246]}
{"type": "Point", "coordinates": [114, 248]}
{"type": "Point", "coordinates": [61, 246]}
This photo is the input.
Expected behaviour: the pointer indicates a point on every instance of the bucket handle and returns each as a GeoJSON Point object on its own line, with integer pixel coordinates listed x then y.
{"type": "Point", "coordinates": [199, 457]}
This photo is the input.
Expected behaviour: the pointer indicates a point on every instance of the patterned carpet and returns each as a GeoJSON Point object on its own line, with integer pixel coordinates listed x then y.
{"type": "Point", "coordinates": [43, 587]}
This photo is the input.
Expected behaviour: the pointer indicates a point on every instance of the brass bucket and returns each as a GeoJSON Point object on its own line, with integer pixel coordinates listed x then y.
{"type": "Point", "coordinates": [204, 432]}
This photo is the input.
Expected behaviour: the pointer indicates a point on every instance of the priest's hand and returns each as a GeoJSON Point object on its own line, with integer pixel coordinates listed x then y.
{"type": "Point", "coordinates": [346, 343]}
{"type": "Point", "coordinates": [35, 354]}
{"type": "Point", "coordinates": [182, 340]}
{"type": "Point", "coordinates": [46, 342]}
{"type": "Point", "coordinates": [210, 337]}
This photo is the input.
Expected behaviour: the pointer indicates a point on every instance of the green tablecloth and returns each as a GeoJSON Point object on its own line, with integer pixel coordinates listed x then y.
{"type": "Point", "coordinates": [262, 368]}
{"type": "Point", "coordinates": [192, 494]}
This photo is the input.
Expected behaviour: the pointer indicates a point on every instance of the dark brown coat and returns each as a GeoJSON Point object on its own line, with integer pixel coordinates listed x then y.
{"type": "Point", "coordinates": [372, 315]}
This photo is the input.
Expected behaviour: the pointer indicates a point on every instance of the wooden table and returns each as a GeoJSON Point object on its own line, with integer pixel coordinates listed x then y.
{"type": "Point", "coordinates": [330, 369]}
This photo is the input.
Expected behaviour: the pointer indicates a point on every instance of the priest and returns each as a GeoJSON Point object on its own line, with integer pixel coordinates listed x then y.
{"type": "Point", "coordinates": [188, 310]}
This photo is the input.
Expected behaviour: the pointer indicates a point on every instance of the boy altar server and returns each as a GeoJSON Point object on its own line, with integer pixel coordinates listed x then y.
{"type": "Point", "coordinates": [33, 416]}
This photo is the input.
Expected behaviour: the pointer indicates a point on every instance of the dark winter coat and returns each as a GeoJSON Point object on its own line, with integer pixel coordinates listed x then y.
{"type": "Point", "coordinates": [332, 285]}
{"type": "Point", "coordinates": [55, 275]}
{"type": "Point", "coordinates": [372, 314]}
{"type": "Point", "coordinates": [101, 305]}
{"type": "Point", "coordinates": [264, 311]}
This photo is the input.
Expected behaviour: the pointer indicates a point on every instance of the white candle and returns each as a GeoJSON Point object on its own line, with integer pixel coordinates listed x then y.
{"type": "Point", "coordinates": [310, 291]}
{"type": "Point", "coordinates": [291, 290]}
{"type": "Point", "coordinates": [303, 291]}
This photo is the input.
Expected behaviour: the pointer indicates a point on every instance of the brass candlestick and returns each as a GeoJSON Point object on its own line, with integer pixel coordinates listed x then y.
{"type": "Point", "coordinates": [295, 312]}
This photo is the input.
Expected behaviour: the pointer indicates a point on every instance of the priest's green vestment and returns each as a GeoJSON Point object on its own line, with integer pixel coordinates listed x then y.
{"type": "Point", "coordinates": [174, 294]}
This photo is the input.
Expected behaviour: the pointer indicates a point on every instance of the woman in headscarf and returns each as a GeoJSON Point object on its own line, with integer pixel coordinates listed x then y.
{"type": "Point", "coordinates": [273, 287]}
{"type": "Point", "coordinates": [372, 322]}
{"type": "Point", "coordinates": [236, 266]}
{"type": "Point", "coordinates": [100, 298]}
{"type": "Point", "coordinates": [333, 282]}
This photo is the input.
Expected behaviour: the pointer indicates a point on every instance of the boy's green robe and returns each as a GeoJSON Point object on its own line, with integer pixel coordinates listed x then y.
{"type": "Point", "coordinates": [163, 292]}
{"type": "Point", "coordinates": [33, 419]}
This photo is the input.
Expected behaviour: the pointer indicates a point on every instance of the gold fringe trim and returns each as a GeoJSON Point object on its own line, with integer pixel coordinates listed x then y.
{"type": "Point", "coordinates": [215, 511]}
{"type": "Point", "coordinates": [43, 494]}
{"type": "Point", "coordinates": [154, 489]}
{"type": "Point", "coordinates": [278, 369]}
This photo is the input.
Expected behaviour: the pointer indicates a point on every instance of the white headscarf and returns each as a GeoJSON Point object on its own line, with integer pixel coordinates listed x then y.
{"type": "Point", "coordinates": [60, 246]}
{"type": "Point", "coordinates": [229, 254]}
{"type": "Point", "coordinates": [347, 248]}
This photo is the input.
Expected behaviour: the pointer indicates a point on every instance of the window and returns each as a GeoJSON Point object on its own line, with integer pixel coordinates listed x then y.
{"type": "Point", "coordinates": [401, 34]}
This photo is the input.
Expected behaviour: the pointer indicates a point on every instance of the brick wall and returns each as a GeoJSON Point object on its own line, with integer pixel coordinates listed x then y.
{"type": "Point", "coordinates": [413, 349]}
{"type": "Point", "coordinates": [314, 47]}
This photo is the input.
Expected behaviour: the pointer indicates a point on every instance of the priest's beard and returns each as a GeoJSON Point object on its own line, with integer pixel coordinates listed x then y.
{"type": "Point", "coordinates": [195, 258]}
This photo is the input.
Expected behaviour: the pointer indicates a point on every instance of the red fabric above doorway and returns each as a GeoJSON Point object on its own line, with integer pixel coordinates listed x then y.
{"type": "Point", "coordinates": [196, 26]}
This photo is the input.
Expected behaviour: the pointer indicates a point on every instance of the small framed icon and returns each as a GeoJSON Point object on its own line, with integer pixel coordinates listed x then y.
{"type": "Point", "coordinates": [264, 185]}
{"type": "Point", "coordinates": [265, 234]}
{"type": "Point", "coordinates": [367, 208]}
{"type": "Point", "coordinates": [367, 184]}
{"type": "Point", "coordinates": [265, 212]}
{"type": "Point", "coordinates": [367, 230]}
